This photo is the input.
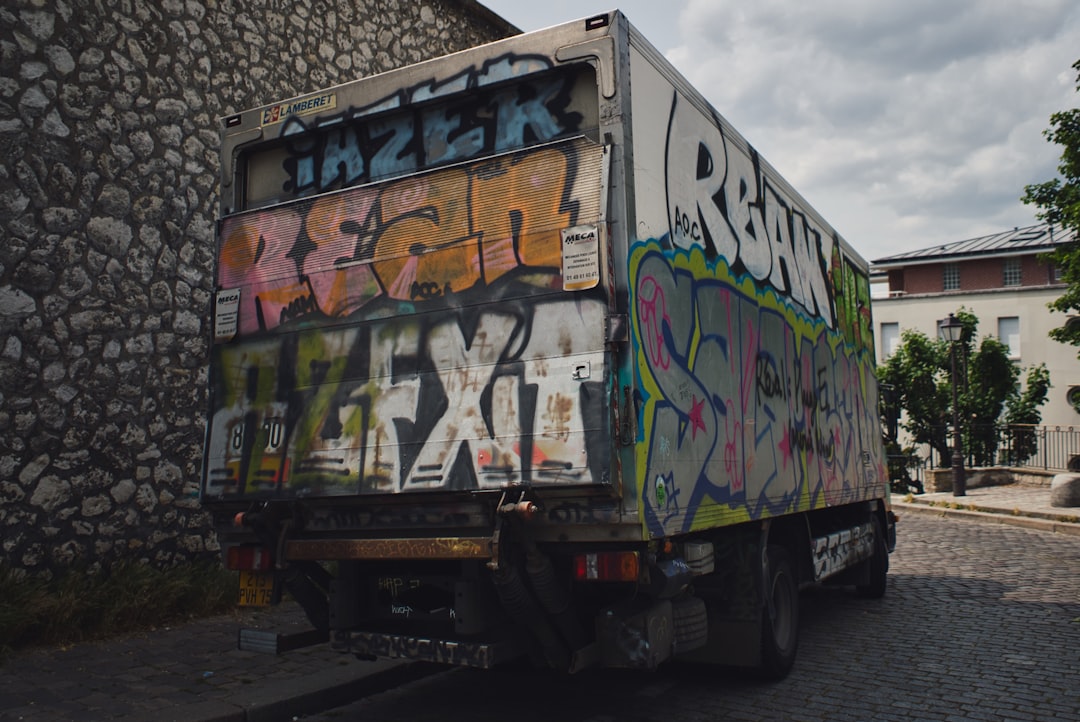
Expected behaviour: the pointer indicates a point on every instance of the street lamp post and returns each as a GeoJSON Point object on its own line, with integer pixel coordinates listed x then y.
{"type": "Point", "coordinates": [953, 329]}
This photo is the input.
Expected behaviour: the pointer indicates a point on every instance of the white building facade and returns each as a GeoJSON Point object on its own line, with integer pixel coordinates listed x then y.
{"type": "Point", "coordinates": [1002, 282]}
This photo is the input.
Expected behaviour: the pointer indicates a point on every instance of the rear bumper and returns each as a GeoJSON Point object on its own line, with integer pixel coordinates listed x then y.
{"type": "Point", "coordinates": [426, 649]}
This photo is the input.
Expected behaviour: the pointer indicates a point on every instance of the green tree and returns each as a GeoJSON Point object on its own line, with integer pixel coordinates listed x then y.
{"type": "Point", "coordinates": [1023, 414]}
{"type": "Point", "coordinates": [1058, 201]}
{"type": "Point", "coordinates": [914, 371]}
{"type": "Point", "coordinates": [991, 383]}
{"type": "Point", "coordinates": [919, 373]}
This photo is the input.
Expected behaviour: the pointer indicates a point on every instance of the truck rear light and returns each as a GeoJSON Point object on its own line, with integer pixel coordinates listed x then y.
{"type": "Point", "coordinates": [248, 558]}
{"type": "Point", "coordinates": [607, 567]}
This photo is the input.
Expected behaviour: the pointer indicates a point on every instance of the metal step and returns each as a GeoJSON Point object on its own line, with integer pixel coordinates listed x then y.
{"type": "Point", "coordinates": [268, 642]}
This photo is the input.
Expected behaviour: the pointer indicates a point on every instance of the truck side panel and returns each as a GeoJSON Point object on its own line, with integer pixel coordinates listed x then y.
{"type": "Point", "coordinates": [754, 354]}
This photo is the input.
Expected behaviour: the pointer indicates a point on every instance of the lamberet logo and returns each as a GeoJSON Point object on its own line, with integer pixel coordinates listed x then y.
{"type": "Point", "coordinates": [307, 106]}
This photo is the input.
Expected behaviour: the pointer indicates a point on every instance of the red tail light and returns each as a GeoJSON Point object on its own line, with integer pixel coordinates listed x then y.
{"type": "Point", "coordinates": [607, 567]}
{"type": "Point", "coordinates": [248, 558]}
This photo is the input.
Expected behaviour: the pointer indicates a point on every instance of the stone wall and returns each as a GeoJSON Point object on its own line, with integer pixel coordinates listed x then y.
{"type": "Point", "coordinates": [941, 480]}
{"type": "Point", "coordinates": [108, 194]}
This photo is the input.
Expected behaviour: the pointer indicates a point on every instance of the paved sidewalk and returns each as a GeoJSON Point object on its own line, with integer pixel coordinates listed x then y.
{"type": "Point", "coordinates": [192, 672]}
{"type": "Point", "coordinates": [1014, 504]}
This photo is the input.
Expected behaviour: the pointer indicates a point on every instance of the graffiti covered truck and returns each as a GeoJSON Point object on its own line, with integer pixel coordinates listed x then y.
{"type": "Point", "coordinates": [525, 353]}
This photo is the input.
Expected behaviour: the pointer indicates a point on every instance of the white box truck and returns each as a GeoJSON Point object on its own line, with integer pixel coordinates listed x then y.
{"type": "Point", "coordinates": [524, 353]}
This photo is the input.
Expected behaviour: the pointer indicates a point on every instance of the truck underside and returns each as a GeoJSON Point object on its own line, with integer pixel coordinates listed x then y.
{"type": "Point", "coordinates": [517, 588]}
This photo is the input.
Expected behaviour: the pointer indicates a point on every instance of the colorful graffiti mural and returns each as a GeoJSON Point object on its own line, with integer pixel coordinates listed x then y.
{"type": "Point", "coordinates": [413, 335]}
{"type": "Point", "coordinates": [750, 408]}
{"type": "Point", "coordinates": [430, 237]}
{"type": "Point", "coordinates": [438, 401]}
{"type": "Point", "coordinates": [753, 344]}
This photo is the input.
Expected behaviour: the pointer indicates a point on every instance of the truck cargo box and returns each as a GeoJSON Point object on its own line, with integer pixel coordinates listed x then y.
{"type": "Point", "coordinates": [536, 306]}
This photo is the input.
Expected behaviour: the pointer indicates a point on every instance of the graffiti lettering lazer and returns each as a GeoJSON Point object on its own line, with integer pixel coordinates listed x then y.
{"type": "Point", "coordinates": [418, 127]}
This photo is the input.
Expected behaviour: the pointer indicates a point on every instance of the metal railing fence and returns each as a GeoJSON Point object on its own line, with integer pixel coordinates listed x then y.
{"type": "Point", "coordinates": [1048, 448]}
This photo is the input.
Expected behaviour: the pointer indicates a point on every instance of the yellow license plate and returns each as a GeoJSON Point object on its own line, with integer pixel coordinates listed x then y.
{"type": "Point", "coordinates": [256, 589]}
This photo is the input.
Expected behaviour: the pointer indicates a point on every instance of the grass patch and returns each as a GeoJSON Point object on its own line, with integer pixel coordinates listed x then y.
{"type": "Point", "coordinates": [76, 605]}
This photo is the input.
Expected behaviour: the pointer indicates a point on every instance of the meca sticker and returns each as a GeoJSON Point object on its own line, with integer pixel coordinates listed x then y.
{"type": "Point", "coordinates": [226, 314]}
{"type": "Point", "coordinates": [580, 257]}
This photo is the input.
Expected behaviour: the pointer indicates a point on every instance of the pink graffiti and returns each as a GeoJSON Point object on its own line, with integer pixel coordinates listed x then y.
{"type": "Point", "coordinates": [653, 316]}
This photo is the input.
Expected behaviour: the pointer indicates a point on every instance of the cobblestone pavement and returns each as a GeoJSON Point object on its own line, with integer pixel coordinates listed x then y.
{"type": "Point", "coordinates": [981, 622]}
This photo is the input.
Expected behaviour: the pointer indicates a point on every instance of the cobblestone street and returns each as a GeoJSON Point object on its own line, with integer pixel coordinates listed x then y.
{"type": "Point", "coordinates": [981, 622]}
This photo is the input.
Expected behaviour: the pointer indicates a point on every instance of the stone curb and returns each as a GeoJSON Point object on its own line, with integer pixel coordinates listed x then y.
{"type": "Point", "coordinates": [996, 516]}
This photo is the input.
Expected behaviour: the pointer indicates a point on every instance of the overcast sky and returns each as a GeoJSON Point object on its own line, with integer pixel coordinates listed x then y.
{"type": "Point", "coordinates": [906, 123]}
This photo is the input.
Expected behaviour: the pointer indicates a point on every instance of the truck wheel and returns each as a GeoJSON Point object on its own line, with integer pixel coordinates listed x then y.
{"type": "Point", "coordinates": [691, 623]}
{"type": "Point", "coordinates": [878, 566]}
{"type": "Point", "coordinates": [780, 617]}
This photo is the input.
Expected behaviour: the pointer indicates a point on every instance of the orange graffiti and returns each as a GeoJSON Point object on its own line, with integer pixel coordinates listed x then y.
{"type": "Point", "coordinates": [427, 248]}
{"type": "Point", "coordinates": [414, 239]}
{"type": "Point", "coordinates": [239, 247]}
{"type": "Point", "coordinates": [530, 207]}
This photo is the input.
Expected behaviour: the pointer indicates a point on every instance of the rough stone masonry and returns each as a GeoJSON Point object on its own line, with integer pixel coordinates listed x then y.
{"type": "Point", "coordinates": [108, 195]}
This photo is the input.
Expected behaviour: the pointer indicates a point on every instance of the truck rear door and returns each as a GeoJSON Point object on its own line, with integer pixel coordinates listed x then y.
{"type": "Point", "coordinates": [427, 319]}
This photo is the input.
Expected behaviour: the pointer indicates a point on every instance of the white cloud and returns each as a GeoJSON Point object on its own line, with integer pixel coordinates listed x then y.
{"type": "Point", "coordinates": [906, 123]}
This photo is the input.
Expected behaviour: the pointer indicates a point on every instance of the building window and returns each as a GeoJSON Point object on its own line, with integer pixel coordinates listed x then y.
{"type": "Point", "coordinates": [1073, 397]}
{"type": "Point", "coordinates": [950, 277]}
{"type": "Point", "coordinates": [896, 282]}
{"type": "Point", "coordinates": [1009, 334]}
{"type": "Point", "coordinates": [1012, 273]}
{"type": "Point", "coordinates": [890, 339]}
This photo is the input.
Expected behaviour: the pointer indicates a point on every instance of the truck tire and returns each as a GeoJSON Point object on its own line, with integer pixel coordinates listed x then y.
{"type": "Point", "coordinates": [691, 623]}
{"type": "Point", "coordinates": [878, 566]}
{"type": "Point", "coordinates": [780, 616]}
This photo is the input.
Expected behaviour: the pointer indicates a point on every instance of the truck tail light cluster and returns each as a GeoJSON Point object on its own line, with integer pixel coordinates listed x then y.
{"type": "Point", "coordinates": [607, 567]}
{"type": "Point", "coordinates": [248, 557]}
